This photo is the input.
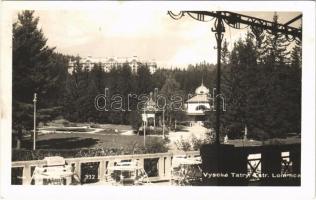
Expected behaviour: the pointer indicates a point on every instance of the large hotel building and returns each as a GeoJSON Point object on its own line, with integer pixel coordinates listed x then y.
{"type": "Point", "coordinates": [112, 62]}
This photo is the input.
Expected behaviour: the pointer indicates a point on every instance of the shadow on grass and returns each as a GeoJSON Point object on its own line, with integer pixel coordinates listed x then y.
{"type": "Point", "coordinates": [61, 143]}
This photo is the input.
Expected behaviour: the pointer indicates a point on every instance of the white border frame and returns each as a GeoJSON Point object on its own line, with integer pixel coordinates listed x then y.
{"type": "Point", "coordinates": [306, 191]}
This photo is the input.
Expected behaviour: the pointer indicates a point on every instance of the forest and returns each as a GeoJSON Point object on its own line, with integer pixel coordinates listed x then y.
{"type": "Point", "coordinates": [261, 82]}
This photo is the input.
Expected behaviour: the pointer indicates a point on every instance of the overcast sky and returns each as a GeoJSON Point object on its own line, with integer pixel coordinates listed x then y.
{"type": "Point", "coordinates": [149, 34]}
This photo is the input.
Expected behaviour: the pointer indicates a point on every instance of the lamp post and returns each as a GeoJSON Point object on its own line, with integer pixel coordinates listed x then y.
{"type": "Point", "coordinates": [163, 123]}
{"type": "Point", "coordinates": [219, 29]}
{"type": "Point", "coordinates": [144, 127]}
{"type": "Point", "coordinates": [34, 131]}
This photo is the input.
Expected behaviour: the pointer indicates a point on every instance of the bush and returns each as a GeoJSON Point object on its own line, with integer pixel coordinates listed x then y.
{"type": "Point", "coordinates": [156, 146]}
{"type": "Point", "coordinates": [197, 143]}
{"type": "Point", "coordinates": [183, 145]}
{"type": "Point", "coordinates": [18, 155]}
{"type": "Point", "coordinates": [192, 144]}
{"type": "Point", "coordinates": [166, 139]}
{"type": "Point", "coordinates": [208, 125]}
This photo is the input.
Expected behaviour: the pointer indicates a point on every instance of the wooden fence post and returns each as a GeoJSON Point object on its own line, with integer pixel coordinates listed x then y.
{"type": "Point", "coordinates": [161, 167]}
{"type": "Point", "coordinates": [102, 170]}
{"type": "Point", "coordinates": [27, 175]}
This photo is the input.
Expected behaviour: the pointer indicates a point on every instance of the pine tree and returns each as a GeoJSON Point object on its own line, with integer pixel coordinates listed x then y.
{"type": "Point", "coordinates": [169, 90]}
{"type": "Point", "coordinates": [239, 87]}
{"type": "Point", "coordinates": [76, 93]}
{"type": "Point", "coordinates": [296, 55]}
{"type": "Point", "coordinates": [36, 69]}
{"type": "Point", "coordinates": [275, 81]}
{"type": "Point", "coordinates": [126, 88]}
{"type": "Point", "coordinates": [225, 53]}
{"type": "Point", "coordinates": [295, 89]}
{"type": "Point", "coordinates": [144, 80]}
{"type": "Point", "coordinates": [32, 58]}
{"type": "Point", "coordinates": [275, 47]}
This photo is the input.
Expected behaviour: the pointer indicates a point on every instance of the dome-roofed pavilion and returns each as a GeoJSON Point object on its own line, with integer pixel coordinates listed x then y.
{"type": "Point", "coordinates": [199, 104]}
{"type": "Point", "coordinates": [202, 89]}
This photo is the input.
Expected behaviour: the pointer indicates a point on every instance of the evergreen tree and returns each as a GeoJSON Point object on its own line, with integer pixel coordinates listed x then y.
{"type": "Point", "coordinates": [144, 81]}
{"type": "Point", "coordinates": [239, 88]}
{"type": "Point", "coordinates": [295, 89]}
{"type": "Point", "coordinates": [75, 95]}
{"type": "Point", "coordinates": [170, 90]}
{"type": "Point", "coordinates": [260, 87]}
{"type": "Point", "coordinates": [126, 88]}
{"type": "Point", "coordinates": [276, 83]}
{"type": "Point", "coordinates": [159, 78]}
{"type": "Point", "coordinates": [225, 53]}
{"type": "Point", "coordinates": [296, 55]}
{"type": "Point", "coordinates": [36, 69]}
{"type": "Point", "coordinates": [275, 47]}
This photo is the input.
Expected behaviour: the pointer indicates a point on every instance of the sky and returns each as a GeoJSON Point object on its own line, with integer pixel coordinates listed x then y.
{"type": "Point", "coordinates": [148, 34]}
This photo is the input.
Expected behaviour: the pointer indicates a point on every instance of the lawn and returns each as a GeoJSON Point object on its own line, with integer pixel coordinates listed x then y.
{"type": "Point", "coordinates": [86, 140]}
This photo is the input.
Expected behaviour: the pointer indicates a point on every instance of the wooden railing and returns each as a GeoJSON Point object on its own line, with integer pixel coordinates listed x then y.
{"type": "Point", "coordinates": [160, 163]}
{"type": "Point", "coordinates": [268, 165]}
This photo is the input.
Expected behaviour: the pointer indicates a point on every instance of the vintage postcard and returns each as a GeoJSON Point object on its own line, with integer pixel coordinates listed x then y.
{"type": "Point", "coordinates": [176, 98]}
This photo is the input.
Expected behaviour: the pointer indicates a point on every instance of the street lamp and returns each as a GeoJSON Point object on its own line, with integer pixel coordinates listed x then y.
{"type": "Point", "coordinates": [34, 132]}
